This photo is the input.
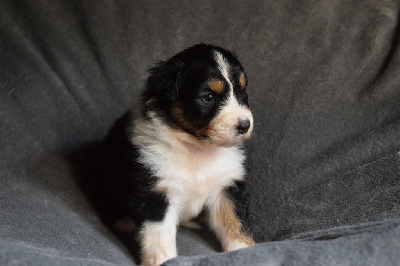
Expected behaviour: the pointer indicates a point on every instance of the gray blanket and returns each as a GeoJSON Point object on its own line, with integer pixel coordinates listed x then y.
{"type": "Point", "coordinates": [323, 165]}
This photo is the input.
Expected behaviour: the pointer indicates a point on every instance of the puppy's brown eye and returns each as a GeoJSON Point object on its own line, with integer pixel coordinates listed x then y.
{"type": "Point", "coordinates": [208, 97]}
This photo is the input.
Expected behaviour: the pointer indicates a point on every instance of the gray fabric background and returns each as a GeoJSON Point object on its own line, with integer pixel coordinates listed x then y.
{"type": "Point", "coordinates": [323, 165]}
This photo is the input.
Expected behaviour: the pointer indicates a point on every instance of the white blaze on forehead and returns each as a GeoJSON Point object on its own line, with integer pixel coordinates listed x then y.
{"type": "Point", "coordinates": [223, 67]}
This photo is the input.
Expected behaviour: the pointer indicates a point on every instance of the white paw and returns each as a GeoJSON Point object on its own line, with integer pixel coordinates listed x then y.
{"type": "Point", "coordinates": [235, 245]}
{"type": "Point", "coordinates": [156, 259]}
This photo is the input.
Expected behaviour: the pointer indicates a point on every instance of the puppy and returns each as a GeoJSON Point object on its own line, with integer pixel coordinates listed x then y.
{"type": "Point", "coordinates": [179, 153]}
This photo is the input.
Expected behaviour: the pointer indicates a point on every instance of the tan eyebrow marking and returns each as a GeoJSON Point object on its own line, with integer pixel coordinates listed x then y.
{"type": "Point", "coordinates": [216, 85]}
{"type": "Point", "coordinates": [242, 81]}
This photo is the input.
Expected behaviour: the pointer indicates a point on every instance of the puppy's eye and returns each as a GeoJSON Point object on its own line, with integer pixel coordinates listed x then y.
{"type": "Point", "coordinates": [208, 97]}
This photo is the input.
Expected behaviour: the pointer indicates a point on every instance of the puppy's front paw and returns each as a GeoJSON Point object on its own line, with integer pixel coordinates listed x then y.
{"type": "Point", "coordinates": [235, 244]}
{"type": "Point", "coordinates": [155, 259]}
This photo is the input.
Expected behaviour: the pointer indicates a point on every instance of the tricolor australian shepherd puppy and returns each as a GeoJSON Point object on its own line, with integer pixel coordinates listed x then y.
{"type": "Point", "coordinates": [178, 154]}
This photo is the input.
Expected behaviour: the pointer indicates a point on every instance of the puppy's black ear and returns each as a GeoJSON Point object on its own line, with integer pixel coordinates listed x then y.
{"type": "Point", "coordinates": [165, 80]}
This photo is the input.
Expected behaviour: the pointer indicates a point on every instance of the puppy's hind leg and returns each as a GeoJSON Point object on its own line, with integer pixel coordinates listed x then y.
{"type": "Point", "coordinates": [158, 239]}
{"type": "Point", "coordinates": [125, 225]}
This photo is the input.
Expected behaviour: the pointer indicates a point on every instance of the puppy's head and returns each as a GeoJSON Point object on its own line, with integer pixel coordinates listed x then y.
{"type": "Point", "coordinates": [202, 91]}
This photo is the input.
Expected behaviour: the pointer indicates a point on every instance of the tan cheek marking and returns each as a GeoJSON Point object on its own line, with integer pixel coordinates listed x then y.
{"type": "Point", "coordinates": [217, 128]}
{"type": "Point", "coordinates": [216, 86]}
{"type": "Point", "coordinates": [242, 81]}
{"type": "Point", "coordinates": [179, 115]}
{"type": "Point", "coordinates": [227, 218]}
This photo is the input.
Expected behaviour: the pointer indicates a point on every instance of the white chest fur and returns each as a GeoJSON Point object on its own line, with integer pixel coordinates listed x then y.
{"type": "Point", "coordinates": [190, 172]}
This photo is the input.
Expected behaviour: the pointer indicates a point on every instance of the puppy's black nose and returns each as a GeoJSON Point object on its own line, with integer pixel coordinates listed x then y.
{"type": "Point", "coordinates": [243, 126]}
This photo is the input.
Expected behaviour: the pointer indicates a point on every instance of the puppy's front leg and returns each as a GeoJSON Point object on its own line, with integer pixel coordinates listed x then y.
{"type": "Point", "coordinates": [158, 239]}
{"type": "Point", "coordinates": [227, 226]}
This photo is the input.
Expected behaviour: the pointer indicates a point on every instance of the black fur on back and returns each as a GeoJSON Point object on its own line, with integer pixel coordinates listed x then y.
{"type": "Point", "coordinates": [127, 184]}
